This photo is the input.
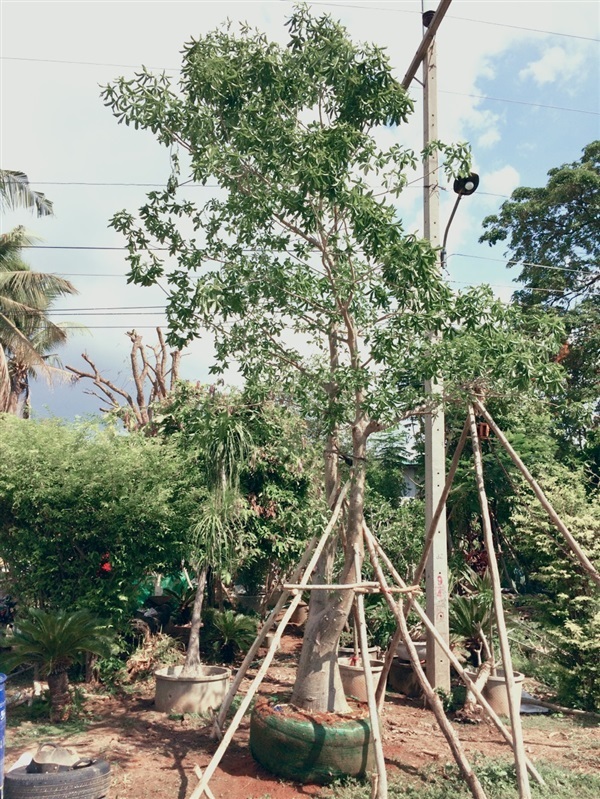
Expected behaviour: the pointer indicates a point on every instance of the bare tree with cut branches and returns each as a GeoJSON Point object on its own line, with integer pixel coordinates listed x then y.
{"type": "Point", "coordinates": [154, 370]}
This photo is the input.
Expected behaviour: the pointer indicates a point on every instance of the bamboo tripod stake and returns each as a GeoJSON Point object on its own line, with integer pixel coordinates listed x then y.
{"type": "Point", "coordinates": [245, 703]}
{"type": "Point", "coordinates": [451, 656]}
{"type": "Point", "coordinates": [432, 698]}
{"type": "Point", "coordinates": [554, 517]}
{"type": "Point", "coordinates": [420, 569]}
{"type": "Point", "coordinates": [513, 701]}
{"type": "Point", "coordinates": [381, 788]}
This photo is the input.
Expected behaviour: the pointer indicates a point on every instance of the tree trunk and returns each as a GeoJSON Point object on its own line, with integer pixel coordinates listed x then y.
{"type": "Point", "coordinates": [60, 698]}
{"type": "Point", "coordinates": [318, 685]}
{"type": "Point", "coordinates": [193, 664]}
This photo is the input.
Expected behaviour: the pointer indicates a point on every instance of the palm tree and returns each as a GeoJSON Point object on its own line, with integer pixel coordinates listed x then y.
{"type": "Point", "coordinates": [27, 335]}
{"type": "Point", "coordinates": [15, 192]}
{"type": "Point", "coordinates": [53, 641]}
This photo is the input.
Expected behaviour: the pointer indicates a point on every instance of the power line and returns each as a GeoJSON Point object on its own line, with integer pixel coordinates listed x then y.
{"type": "Point", "coordinates": [442, 91]}
{"type": "Point", "coordinates": [411, 185]}
{"type": "Point", "coordinates": [522, 102]}
{"type": "Point", "coordinates": [514, 262]}
{"type": "Point", "coordinates": [464, 19]}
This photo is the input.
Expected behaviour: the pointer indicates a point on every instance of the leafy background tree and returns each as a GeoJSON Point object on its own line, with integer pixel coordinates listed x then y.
{"type": "Point", "coordinates": [552, 234]}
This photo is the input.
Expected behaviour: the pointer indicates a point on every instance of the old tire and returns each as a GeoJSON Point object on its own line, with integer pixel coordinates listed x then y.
{"type": "Point", "coordinates": [91, 782]}
{"type": "Point", "coordinates": [305, 750]}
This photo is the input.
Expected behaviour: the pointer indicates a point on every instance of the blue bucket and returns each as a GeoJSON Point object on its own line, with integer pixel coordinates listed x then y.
{"type": "Point", "coordinates": [2, 729]}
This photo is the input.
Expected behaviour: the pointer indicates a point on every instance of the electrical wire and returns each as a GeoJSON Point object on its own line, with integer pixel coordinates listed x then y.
{"type": "Point", "coordinates": [251, 250]}
{"type": "Point", "coordinates": [464, 19]}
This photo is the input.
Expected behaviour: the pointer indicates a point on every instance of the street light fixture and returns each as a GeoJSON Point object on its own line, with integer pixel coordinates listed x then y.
{"type": "Point", "coordinates": [463, 187]}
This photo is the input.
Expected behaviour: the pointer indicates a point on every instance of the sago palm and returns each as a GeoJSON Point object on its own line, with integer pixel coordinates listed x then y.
{"type": "Point", "coordinates": [54, 641]}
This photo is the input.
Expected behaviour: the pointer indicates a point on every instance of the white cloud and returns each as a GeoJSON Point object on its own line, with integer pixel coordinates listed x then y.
{"type": "Point", "coordinates": [556, 64]}
{"type": "Point", "coordinates": [502, 181]}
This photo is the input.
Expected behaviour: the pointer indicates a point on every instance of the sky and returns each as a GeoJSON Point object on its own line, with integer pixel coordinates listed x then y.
{"type": "Point", "coordinates": [520, 81]}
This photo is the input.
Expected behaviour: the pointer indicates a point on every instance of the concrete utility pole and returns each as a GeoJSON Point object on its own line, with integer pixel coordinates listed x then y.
{"type": "Point", "coordinates": [438, 665]}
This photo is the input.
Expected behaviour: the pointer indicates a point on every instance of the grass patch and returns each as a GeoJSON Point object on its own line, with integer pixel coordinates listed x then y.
{"type": "Point", "coordinates": [496, 776]}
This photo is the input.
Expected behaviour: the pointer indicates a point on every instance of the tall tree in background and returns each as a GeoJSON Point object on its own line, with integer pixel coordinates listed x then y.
{"type": "Point", "coordinates": [301, 272]}
{"type": "Point", "coordinates": [553, 236]}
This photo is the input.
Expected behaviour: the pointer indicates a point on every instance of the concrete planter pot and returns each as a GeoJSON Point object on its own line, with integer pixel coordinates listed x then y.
{"type": "Point", "coordinates": [353, 677]}
{"type": "Point", "coordinates": [403, 680]}
{"type": "Point", "coordinates": [496, 693]}
{"type": "Point", "coordinates": [196, 694]}
{"type": "Point", "coordinates": [308, 750]}
{"type": "Point", "coordinates": [420, 646]}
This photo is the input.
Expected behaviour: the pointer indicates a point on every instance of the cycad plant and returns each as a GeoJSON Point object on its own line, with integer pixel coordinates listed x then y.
{"type": "Point", "coordinates": [230, 633]}
{"type": "Point", "coordinates": [472, 615]}
{"type": "Point", "coordinates": [54, 641]}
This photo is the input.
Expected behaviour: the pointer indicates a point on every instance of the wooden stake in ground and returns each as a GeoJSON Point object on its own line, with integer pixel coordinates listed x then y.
{"type": "Point", "coordinates": [514, 703]}
{"type": "Point", "coordinates": [449, 653]}
{"type": "Point", "coordinates": [381, 788]}
{"type": "Point", "coordinates": [432, 698]}
{"type": "Point", "coordinates": [420, 569]}
{"type": "Point", "coordinates": [245, 703]}
{"type": "Point", "coordinates": [554, 517]}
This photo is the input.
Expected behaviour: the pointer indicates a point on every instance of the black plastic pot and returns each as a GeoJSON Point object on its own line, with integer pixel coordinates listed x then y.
{"type": "Point", "coordinates": [89, 782]}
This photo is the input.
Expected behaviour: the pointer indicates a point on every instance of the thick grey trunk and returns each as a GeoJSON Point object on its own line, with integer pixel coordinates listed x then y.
{"type": "Point", "coordinates": [193, 664]}
{"type": "Point", "coordinates": [318, 686]}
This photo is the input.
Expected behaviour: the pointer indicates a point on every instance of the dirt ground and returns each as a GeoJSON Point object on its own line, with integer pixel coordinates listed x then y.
{"type": "Point", "coordinates": [153, 755]}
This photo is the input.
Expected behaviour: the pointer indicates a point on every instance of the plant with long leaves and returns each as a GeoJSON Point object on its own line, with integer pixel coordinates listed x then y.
{"type": "Point", "coordinates": [53, 641]}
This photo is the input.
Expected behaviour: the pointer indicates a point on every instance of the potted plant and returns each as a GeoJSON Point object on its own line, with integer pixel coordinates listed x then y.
{"type": "Point", "coordinates": [54, 641]}
{"type": "Point", "coordinates": [214, 442]}
{"type": "Point", "coordinates": [472, 621]}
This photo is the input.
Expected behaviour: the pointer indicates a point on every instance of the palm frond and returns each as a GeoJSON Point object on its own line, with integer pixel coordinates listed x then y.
{"type": "Point", "coordinates": [15, 192]}
{"type": "Point", "coordinates": [55, 640]}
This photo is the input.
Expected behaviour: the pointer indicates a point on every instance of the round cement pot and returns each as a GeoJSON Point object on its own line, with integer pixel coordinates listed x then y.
{"type": "Point", "coordinates": [300, 614]}
{"type": "Point", "coordinates": [197, 694]}
{"type": "Point", "coordinates": [496, 693]}
{"type": "Point", "coordinates": [305, 750]}
{"type": "Point", "coordinates": [403, 680]}
{"type": "Point", "coordinates": [420, 646]}
{"type": "Point", "coordinates": [353, 677]}
{"type": "Point", "coordinates": [348, 652]}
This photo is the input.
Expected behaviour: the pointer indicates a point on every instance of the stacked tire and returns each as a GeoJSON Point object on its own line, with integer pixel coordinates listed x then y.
{"type": "Point", "coordinates": [89, 782]}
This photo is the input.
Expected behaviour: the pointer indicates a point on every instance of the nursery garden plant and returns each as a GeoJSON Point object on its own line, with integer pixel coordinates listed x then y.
{"type": "Point", "coordinates": [300, 269]}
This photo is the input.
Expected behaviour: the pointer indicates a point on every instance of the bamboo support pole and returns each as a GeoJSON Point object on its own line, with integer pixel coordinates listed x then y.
{"type": "Point", "coordinates": [381, 786]}
{"type": "Point", "coordinates": [387, 665]}
{"type": "Point", "coordinates": [496, 720]}
{"type": "Point", "coordinates": [207, 790]}
{"type": "Point", "coordinates": [365, 588]}
{"type": "Point", "coordinates": [554, 517]}
{"type": "Point", "coordinates": [245, 703]}
{"type": "Point", "coordinates": [432, 698]}
{"type": "Point", "coordinates": [441, 503]}
{"type": "Point", "coordinates": [513, 701]}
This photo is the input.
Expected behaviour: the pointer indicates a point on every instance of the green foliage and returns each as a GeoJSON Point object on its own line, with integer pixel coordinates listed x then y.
{"type": "Point", "coordinates": [55, 640]}
{"type": "Point", "coordinates": [497, 778]}
{"type": "Point", "coordinates": [229, 633]}
{"type": "Point", "coordinates": [69, 496]}
{"type": "Point", "coordinates": [302, 243]}
{"type": "Point", "coordinates": [566, 602]}
{"type": "Point", "coordinates": [552, 236]}
{"type": "Point", "coordinates": [255, 529]}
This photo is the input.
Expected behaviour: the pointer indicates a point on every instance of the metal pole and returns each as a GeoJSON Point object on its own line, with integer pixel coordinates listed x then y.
{"type": "Point", "coordinates": [438, 665]}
